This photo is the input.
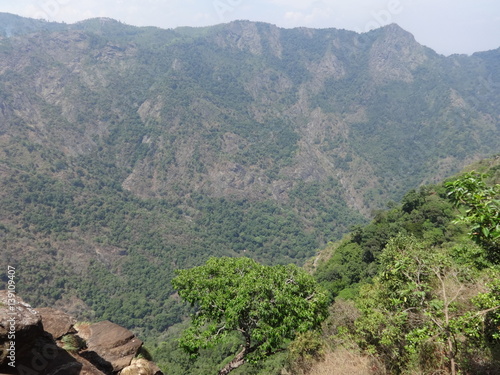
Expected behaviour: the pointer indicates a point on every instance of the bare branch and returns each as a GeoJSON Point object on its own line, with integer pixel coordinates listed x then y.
{"type": "Point", "coordinates": [483, 312]}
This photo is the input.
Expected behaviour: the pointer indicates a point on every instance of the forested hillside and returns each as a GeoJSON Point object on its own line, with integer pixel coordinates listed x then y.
{"type": "Point", "coordinates": [127, 153]}
{"type": "Point", "coordinates": [415, 291]}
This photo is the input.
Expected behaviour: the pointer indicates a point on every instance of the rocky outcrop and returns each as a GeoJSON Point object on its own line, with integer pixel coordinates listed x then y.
{"type": "Point", "coordinates": [395, 55]}
{"type": "Point", "coordinates": [56, 322]}
{"type": "Point", "coordinates": [47, 341]}
{"type": "Point", "coordinates": [20, 325]}
{"type": "Point", "coordinates": [139, 367]}
{"type": "Point", "coordinates": [109, 344]}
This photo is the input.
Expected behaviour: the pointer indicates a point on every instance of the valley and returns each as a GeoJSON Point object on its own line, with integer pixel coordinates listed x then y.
{"type": "Point", "coordinates": [127, 153]}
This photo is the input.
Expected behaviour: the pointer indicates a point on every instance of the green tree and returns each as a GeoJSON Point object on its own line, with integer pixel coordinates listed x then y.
{"type": "Point", "coordinates": [419, 311]}
{"type": "Point", "coordinates": [266, 305]}
{"type": "Point", "coordinates": [483, 209]}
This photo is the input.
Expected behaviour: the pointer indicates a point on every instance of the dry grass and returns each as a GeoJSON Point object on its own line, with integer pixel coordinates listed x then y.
{"type": "Point", "coordinates": [344, 362]}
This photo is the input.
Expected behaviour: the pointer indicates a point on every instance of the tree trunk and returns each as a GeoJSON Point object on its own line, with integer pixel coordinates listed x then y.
{"type": "Point", "coordinates": [236, 362]}
{"type": "Point", "coordinates": [452, 357]}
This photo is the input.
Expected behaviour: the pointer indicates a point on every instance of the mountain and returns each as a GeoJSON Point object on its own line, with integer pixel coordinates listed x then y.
{"type": "Point", "coordinates": [12, 25]}
{"type": "Point", "coordinates": [127, 153]}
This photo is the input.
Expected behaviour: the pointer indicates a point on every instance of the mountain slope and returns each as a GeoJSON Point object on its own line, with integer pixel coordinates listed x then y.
{"type": "Point", "coordinates": [129, 152]}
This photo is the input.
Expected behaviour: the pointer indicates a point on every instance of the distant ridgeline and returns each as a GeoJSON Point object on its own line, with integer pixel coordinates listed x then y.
{"type": "Point", "coordinates": [127, 153]}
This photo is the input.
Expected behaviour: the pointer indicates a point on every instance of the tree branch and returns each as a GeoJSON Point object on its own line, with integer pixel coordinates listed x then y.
{"type": "Point", "coordinates": [483, 312]}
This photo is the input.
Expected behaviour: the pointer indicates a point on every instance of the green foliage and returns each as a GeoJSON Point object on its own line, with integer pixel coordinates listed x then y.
{"type": "Point", "coordinates": [274, 142]}
{"type": "Point", "coordinates": [425, 214]}
{"type": "Point", "coordinates": [431, 300]}
{"type": "Point", "coordinates": [304, 351]}
{"type": "Point", "coordinates": [73, 343]}
{"type": "Point", "coordinates": [138, 237]}
{"type": "Point", "coordinates": [482, 213]}
{"type": "Point", "coordinates": [265, 231]}
{"type": "Point", "coordinates": [420, 305]}
{"type": "Point", "coordinates": [116, 173]}
{"type": "Point", "coordinates": [267, 305]}
{"type": "Point", "coordinates": [173, 360]}
{"type": "Point", "coordinates": [489, 304]}
{"type": "Point", "coordinates": [322, 205]}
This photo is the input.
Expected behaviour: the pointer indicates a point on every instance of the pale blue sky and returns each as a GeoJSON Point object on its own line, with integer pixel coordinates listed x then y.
{"type": "Point", "coordinates": [447, 26]}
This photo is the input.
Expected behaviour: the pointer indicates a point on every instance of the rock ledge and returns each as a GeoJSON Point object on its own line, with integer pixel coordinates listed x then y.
{"type": "Point", "coordinates": [46, 341]}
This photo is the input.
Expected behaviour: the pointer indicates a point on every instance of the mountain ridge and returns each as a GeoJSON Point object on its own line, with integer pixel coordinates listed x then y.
{"type": "Point", "coordinates": [13, 24]}
{"type": "Point", "coordinates": [132, 151]}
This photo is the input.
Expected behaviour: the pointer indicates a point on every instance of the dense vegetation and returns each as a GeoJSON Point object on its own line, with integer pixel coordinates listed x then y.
{"type": "Point", "coordinates": [424, 213]}
{"type": "Point", "coordinates": [413, 292]}
{"type": "Point", "coordinates": [142, 237]}
{"type": "Point", "coordinates": [127, 153]}
{"type": "Point", "coordinates": [426, 297]}
{"type": "Point", "coordinates": [266, 305]}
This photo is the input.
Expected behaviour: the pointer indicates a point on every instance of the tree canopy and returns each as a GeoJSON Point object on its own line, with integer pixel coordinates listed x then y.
{"type": "Point", "coordinates": [425, 295]}
{"type": "Point", "coordinates": [482, 212]}
{"type": "Point", "coordinates": [268, 305]}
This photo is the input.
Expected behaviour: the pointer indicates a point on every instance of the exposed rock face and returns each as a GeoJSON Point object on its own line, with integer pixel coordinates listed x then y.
{"type": "Point", "coordinates": [20, 325]}
{"type": "Point", "coordinates": [109, 344]}
{"type": "Point", "coordinates": [140, 367]}
{"type": "Point", "coordinates": [44, 341]}
{"type": "Point", "coordinates": [395, 55]}
{"type": "Point", "coordinates": [56, 322]}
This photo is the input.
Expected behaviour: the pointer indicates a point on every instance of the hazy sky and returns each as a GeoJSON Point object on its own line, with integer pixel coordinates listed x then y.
{"type": "Point", "coordinates": [447, 26]}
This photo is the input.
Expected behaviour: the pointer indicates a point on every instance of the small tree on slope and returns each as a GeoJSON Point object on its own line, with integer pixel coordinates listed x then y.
{"type": "Point", "coordinates": [266, 305]}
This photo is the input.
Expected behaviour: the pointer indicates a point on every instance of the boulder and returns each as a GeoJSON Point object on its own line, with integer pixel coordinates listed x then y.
{"type": "Point", "coordinates": [34, 350]}
{"type": "Point", "coordinates": [46, 341]}
{"type": "Point", "coordinates": [87, 368]}
{"type": "Point", "coordinates": [56, 322]}
{"type": "Point", "coordinates": [109, 346]}
{"type": "Point", "coordinates": [20, 326]}
{"type": "Point", "coordinates": [141, 366]}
